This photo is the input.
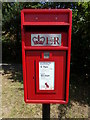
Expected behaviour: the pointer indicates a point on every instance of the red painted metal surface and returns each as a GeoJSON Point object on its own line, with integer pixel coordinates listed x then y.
{"type": "Point", "coordinates": [41, 21]}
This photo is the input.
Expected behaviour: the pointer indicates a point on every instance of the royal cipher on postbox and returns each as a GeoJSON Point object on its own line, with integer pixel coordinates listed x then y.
{"type": "Point", "coordinates": [46, 46]}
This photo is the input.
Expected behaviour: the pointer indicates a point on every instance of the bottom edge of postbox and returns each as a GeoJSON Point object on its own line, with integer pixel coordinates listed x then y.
{"type": "Point", "coordinates": [47, 101]}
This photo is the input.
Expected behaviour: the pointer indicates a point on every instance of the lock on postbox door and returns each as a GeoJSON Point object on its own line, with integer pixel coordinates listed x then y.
{"type": "Point", "coordinates": [46, 45]}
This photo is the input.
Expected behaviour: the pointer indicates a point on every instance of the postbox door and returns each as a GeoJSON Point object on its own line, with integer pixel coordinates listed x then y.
{"type": "Point", "coordinates": [58, 62]}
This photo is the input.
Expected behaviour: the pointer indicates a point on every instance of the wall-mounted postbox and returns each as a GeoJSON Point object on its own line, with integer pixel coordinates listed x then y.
{"type": "Point", "coordinates": [46, 45]}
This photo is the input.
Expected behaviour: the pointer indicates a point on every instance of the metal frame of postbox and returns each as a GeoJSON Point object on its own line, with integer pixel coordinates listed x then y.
{"type": "Point", "coordinates": [25, 48]}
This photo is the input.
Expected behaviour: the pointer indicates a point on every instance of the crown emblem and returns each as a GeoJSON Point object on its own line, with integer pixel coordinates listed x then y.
{"type": "Point", "coordinates": [38, 40]}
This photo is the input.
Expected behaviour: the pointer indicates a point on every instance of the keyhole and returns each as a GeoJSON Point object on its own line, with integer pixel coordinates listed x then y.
{"type": "Point", "coordinates": [56, 18]}
{"type": "Point", "coordinates": [36, 18]}
{"type": "Point", "coordinates": [47, 85]}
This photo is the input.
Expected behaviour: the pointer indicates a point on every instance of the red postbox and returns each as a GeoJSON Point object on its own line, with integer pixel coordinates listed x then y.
{"type": "Point", "coordinates": [46, 45]}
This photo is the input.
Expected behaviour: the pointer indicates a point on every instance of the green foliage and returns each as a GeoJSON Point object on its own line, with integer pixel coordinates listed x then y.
{"type": "Point", "coordinates": [11, 26]}
{"type": "Point", "coordinates": [81, 38]}
{"type": "Point", "coordinates": [80, 54]}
